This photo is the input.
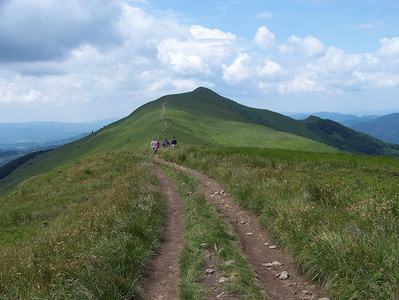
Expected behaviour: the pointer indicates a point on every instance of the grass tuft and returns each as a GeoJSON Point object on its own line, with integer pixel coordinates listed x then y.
{"type": "Point", "coordinates": [86, 230]}
{"type": "Point", "coordinates": [335, 213]}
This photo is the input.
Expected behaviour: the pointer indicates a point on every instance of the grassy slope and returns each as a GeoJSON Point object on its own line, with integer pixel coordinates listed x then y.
{"type": "Point", "coordinates": [297, 178]}
{"type": "Point", "coordinates": [203, 117]}
{"type": "Point", "coordinates": [336, 213]}
{"type": "Point", "coordinates": [197, 118]}
{"type": "Point", "coordinates": [82, 231]}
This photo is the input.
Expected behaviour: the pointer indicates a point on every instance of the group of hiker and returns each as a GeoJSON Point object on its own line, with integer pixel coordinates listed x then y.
{"type": "Point", "coordinates": [155, 144]}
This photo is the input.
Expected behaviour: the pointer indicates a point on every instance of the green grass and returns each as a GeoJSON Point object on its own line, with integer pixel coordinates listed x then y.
{"type": "Point", "coordinates": [337, 214]}
{"type": "Point", "coordinates": [82, 228]}
{"type": "Point", "coordinates": [208, 234]}
{"type": "Point", "coordinates": [83, 231]}
{"type": "Point", "coordinates": [194, 118]}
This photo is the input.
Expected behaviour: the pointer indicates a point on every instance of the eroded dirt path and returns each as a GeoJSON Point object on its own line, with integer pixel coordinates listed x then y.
{"type": "Point", "coordinates": [162, 278]}
{"type": "Point", "coordinates": [256, 244]}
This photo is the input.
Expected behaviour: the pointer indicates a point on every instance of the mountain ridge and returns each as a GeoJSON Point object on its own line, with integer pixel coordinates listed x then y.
{"type": "Point", "coordinates": [385, 127]}
{"type": "Point", "coordinates": [203, 117]}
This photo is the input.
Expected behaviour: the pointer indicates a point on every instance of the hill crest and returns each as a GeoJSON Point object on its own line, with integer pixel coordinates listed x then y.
{"type": "Point", "coordinates": [203, 117]}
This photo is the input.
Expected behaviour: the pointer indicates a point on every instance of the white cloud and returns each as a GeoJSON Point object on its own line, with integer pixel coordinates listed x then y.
{"type": "Point", "coordinates": [370, 25]}
{"type": "Point", "coordinates": [389, 47]}
{"type": "Point", "coordinates": [378, 79]}
{"type": "Point", "coordinates": [7, 94]}
{"type": "Point", "coordinates": [201, 53]}
{"type": "Point", "coordinates": [264, 15]}
{"type": "Point", "coordinates": [246, 68]}
{"type": "Point", "coordinates": [182, 57]}
{"type": "Point", "coordinates": [270, 69]}
{"type": "Point", "coordinates": [308, 46]}
{"type": "Point", "coordinates": [238, 71]}
{"type": "Point", "coordinates": [201, 33]}
{"type": "Point", "coordinates": [307, 83]}
{"type": "Point", "coordinates": [112, 54]}
{"type": "Point", "coordinates": [266, 39]}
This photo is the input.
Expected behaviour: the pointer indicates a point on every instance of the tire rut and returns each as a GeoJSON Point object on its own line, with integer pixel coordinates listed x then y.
{"type": "Point", "coordinates": [163, 275]}
{"type": "Point", "coordinates": [256, 244]}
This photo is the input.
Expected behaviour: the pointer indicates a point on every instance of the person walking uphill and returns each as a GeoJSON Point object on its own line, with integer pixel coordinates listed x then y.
{"type": "Point", "coordinates": [154, 145]}
{"type": "Point", "coordinates": [165, 143]}
{"type": "Point", "coordinates": [173, 142]}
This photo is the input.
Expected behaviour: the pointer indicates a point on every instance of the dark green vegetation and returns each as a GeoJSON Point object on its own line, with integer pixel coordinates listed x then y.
{"type": "Point", "coordinates": [82, 231]}
{"type": "Point", "coordinates": [336, 213]}
{"type": "Point", "coordinates": [73, 231]}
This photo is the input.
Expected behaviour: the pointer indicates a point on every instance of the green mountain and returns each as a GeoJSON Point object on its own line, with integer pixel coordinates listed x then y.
{"type": "Point", "coordinates": [385, 127]}
{"type": "Point", "coordinates": [200, 117]}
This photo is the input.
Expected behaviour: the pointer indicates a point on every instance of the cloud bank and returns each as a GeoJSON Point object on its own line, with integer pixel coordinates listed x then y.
{"type": "Point", "coordinates": [85, 60]}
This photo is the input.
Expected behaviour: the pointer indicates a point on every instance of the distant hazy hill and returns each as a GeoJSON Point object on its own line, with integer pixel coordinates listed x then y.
{"type": "Point", "coordinates": [344, 119]}
{"type": "Point", "coordinates": [202, 117]}
{"type": "Point", "coordinates": [18, 139]}
{"type": "Point", "coordinates": [385, 128]}
{"type": "Point", "coordinates": [38, 133]}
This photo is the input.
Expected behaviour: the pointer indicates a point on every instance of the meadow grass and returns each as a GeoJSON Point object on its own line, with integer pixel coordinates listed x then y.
{"type": "Point", "coordinates": [83, 231]}
{"type": "Point", "coordinates": [337, 214]}
{"type": "Point", "coordinates": [193, 121]}
{"type": "Point", "coordinates": [207, 234]}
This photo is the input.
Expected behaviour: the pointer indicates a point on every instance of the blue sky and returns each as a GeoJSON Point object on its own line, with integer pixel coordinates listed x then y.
{"type": "Point", "coordinates": [76, 61]}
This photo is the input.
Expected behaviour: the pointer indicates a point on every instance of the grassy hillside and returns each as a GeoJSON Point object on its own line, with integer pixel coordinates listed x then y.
{"type": "Point", "coordinates": [200, 117]}
{"type": "Point", "coordinates": [204, 103]}
{"type": "Point", "coordinates": [337, 214]}
{"type": "Point", "coordinates": [82, 231]}
{"type": "Point", "coordinates": [87, 225]}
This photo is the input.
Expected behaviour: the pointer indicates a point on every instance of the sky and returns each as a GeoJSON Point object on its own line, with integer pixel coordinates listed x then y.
{"type": "Point", "coordinates": [86, 60]}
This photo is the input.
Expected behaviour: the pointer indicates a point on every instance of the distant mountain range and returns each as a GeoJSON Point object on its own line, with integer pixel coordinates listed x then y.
{"type": "Point", "coordinates": [30, 133]}
{"type": "Point", "coordinates": [384, 127]}
{"type": "Point", "coordinates": [18, 139]}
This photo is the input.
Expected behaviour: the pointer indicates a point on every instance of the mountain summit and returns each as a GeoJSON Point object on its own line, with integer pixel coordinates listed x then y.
{"type": "Point", "coordinates": [202, 117]}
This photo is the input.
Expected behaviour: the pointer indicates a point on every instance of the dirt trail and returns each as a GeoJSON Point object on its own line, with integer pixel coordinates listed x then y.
{"type": "Point", "coordinates": [162, 278]}
{"type": "Point", "coordinates": [163, 120]}
{"type": "Point", "coordinates": [255, 242]}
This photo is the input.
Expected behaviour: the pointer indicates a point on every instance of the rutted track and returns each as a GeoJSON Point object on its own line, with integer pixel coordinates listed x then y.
{"type": "Point", "coordinates": [162, 278]}
{"type": "Point", "coordinates": [256, 244]}
{"type": "Point", "coordinates": [161, 282]}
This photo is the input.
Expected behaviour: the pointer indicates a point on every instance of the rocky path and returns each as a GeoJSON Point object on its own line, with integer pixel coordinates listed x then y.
{"type": "Point", "coordinates": [274, 268]}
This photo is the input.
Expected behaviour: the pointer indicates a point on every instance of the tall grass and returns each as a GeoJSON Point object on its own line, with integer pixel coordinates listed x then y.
{"type": "Point", "coordinates": [336, 214]}
{"type": "Point", "coordinates": [83, 231]}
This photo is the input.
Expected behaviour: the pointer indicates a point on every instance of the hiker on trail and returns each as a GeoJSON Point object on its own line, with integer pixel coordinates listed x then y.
{"type": "Point", "coordinates": [173, 142]}
{"type": "Point", "coordinates": [165, 143]}
{"type": "Point", "coordinates": [158, 146]}
{"type": "Point", "coordinates": [154, 145]}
